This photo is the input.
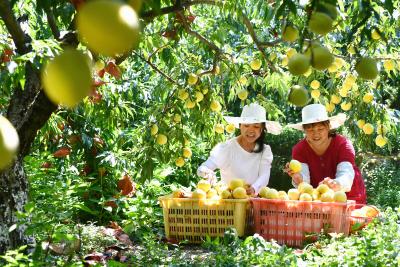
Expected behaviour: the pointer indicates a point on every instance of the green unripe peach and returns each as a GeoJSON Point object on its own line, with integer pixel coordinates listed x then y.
{"type": "Point", "coordinates": [290, 34]}
{"type": "Point", "coordinates": [67, 78]}
{"type": "Point", "coordinates": [321, 58]}
{"type": "Point", "coordinates": [298, 64]}
{"type": "Point", "coordinates": [108, 27]}
{"type": "Point", "coordinates": [366, 68]}
{"type": "Point", "coordinates": [298, 96]}
{"type": "Point", "coordinates": [320, 23]}
{"type": "Point", "coordinates": [9, 142]}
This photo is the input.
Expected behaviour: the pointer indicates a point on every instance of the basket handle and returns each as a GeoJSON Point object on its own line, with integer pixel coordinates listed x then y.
{"type": "Point", "coordinates": [376, 210]}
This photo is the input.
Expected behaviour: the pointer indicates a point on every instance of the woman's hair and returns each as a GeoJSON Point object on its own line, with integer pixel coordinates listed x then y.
{"type": "Point", "coordinates": [260, 140]}
{"type": "Point", "coordinates": [332, 132]}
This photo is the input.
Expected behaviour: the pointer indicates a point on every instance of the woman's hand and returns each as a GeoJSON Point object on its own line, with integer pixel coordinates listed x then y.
{"type": "Point", "coordinates": [331, 183]}
{"type": "Point", "coordinates": [211, 177]}
{"type": "Point", "coordinates": [208, 174]}
{"type": "Point", "coordinates": [296, 176]}
{"type": "Point", "coordinates": [250, 191]}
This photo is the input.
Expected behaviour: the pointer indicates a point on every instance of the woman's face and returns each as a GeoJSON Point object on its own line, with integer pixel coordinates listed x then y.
{"type": "Point", "coordinates": [251, 132]}
{"type": "Point", "coordinates": [317, 133]}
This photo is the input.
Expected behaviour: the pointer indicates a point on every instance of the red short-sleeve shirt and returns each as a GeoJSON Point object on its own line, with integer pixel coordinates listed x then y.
{"type": "Point", "coordinates": [339, 150]}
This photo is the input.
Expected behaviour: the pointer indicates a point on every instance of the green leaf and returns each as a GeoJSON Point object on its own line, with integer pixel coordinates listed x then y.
{"type": "Point", "coordinates": [291, 6]}
{"type": "Point", "coordinates": [166, 55]}
{"type": "Point", "coordinates": [10, 260]}
{"type": "Point", "coordinates": [85, 208]}
{"type": "Point", "coordinates": [389, 6]}
{"type": "Point", "coordinates": [29, 207]}
{"type": "Point", "coordinates": [280, 10]}
{"type": "Point", "coordinates": [22, 82]}
{"type": "Point", "coordinates": [147, 170]}
{"type": "Point", "coordinates": [357, 226]}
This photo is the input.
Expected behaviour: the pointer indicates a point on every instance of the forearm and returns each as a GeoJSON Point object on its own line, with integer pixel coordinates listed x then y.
{"type": "Point", "coordinates": [206, 169]}
{"type": "Point", "coordinates": [261, 181]}
{"type": "Point", "coordinates": [345, 175]}
{"type": "Point", "coordinates": [264, 170]}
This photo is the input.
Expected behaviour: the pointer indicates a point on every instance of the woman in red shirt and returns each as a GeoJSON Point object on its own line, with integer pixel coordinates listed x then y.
{"type": "Point", "coordinates": [326, 157]}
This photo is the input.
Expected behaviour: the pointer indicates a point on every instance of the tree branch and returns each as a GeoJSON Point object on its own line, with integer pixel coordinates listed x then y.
{"type": "Point", "coordinates": [270, 44]}
{"type": "Point", "coordinates": [178, 8]}
{"type": "Point", "coordinates": [214, 66]}
{"type": "Point", "coordinates": [52, 22]}
{"type": "Point", "coordinates": [150, 15]}
{"type": "Point", "coordinates": [21, 40]}
{"type": "Point", "coordinates": [202, 39]}
{"type": "Point", "coordinates": [258, 44]}
{"type": "Point", "coordinates": [157, 69]}
{"type": "Point", "coordinates": [156, 51]}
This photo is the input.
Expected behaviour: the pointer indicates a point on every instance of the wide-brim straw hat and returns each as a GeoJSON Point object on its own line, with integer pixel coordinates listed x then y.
{"type": "Point", "coordinates": [317, 113]}
{"type": "Point", "coordinates": [254, 113]}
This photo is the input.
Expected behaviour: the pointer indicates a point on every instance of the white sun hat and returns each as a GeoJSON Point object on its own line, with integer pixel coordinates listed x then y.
{"type": "Point", "coordinates": [317, 113]}
{"type": "Point", "coordinates": [254, 113]}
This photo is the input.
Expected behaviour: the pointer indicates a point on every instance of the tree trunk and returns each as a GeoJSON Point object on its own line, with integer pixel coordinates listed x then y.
{"type": "Point", "coordinates": [28, 111]}
{"type": "Point", "coordinates": [13, 196]}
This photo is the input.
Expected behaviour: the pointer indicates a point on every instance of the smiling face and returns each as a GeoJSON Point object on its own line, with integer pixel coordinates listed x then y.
{"type": "Point", "coordinates": [251, 132]}
{"type": "Point", "coordinates": [317, 134]}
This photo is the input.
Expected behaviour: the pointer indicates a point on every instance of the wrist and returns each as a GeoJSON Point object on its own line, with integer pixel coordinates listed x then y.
{"type": "Point", "coordinates": [297, 178]}
{"type": "Point", "coordinates": [336, 185]}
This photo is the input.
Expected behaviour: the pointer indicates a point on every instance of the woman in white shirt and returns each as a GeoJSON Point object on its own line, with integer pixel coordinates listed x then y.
{"type": "Point", "coordinates": [245, 156]}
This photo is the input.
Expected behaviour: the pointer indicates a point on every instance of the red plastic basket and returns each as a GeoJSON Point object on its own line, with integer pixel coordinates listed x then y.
{"type": "Point", "coordinates": [289, 221]}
